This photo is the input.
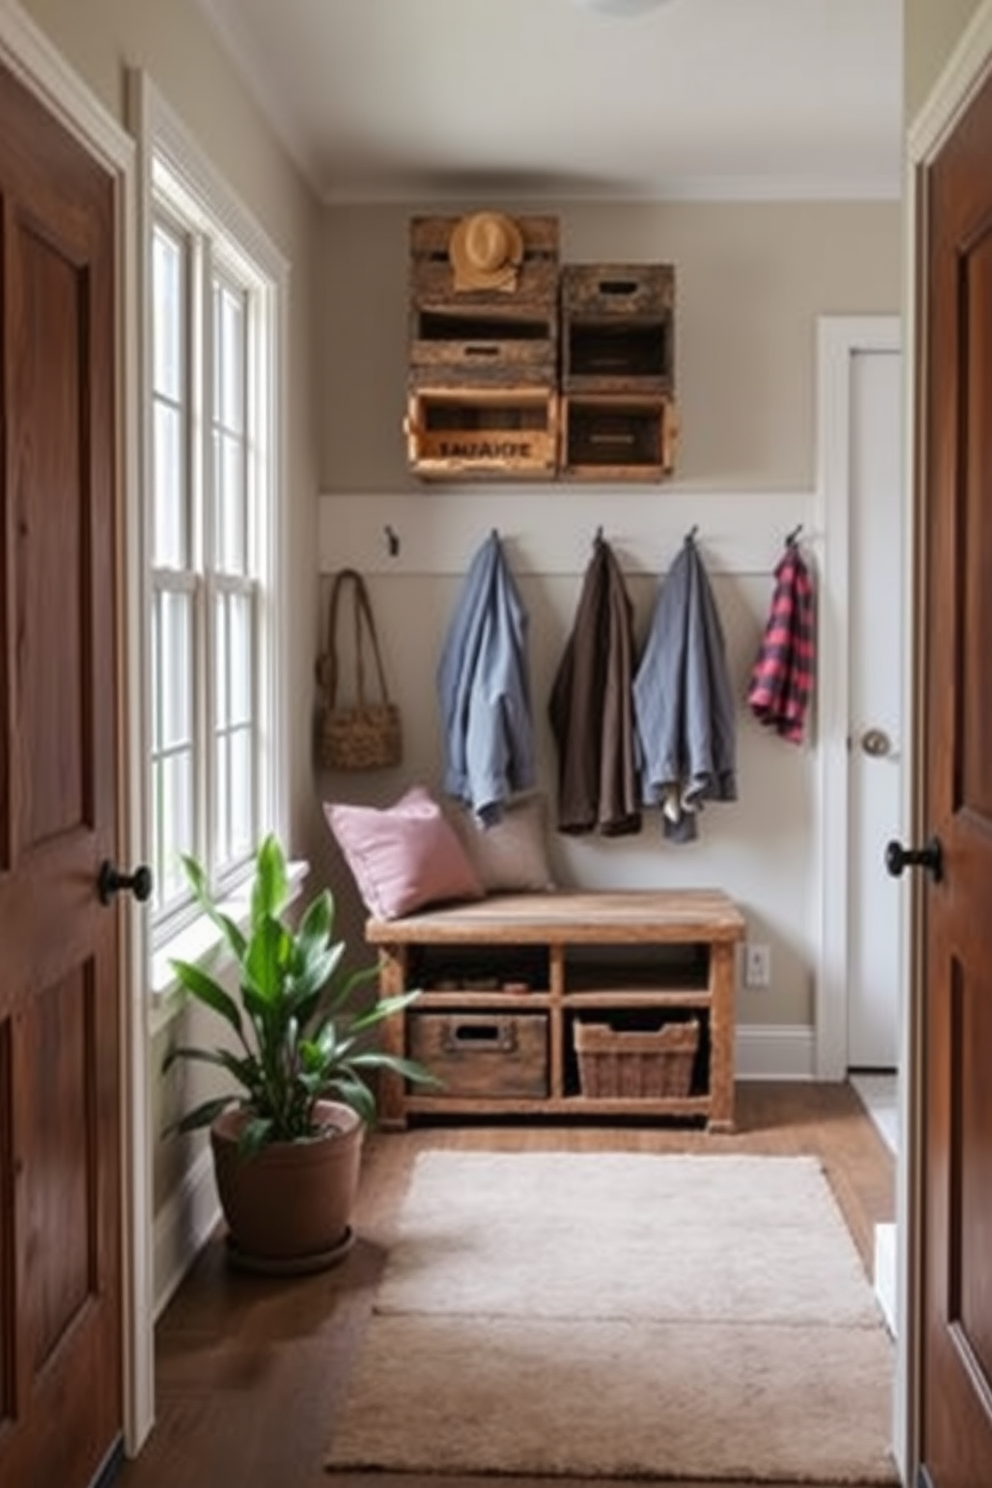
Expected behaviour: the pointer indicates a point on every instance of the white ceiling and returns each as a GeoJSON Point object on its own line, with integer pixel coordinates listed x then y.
{"type": "Point", "coordinates": [400, 100]}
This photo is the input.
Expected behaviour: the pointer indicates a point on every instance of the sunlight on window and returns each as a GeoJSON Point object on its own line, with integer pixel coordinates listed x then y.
{"type": "Point", "coordinates": [211, 394]}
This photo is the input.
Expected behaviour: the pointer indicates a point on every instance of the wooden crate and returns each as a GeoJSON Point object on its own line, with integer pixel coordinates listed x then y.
{"type": "Point", "coordinates": [492, 1054]}
{"type": "Point", "coordinates": [498, 432]}
{"type": "Point", "coordinates": [432, 280]}
{"type": "Point", "coordinates": [506, 345]}
{"type": "Point", "coordinates": [619, 1063]}
{"type": "Point", "coordinates": [614, 437]}
{"type": "Point", "coordinates": [618, 328]}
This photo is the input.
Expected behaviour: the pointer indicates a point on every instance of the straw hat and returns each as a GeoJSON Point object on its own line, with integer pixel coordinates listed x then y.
{"type": "Point", "coordinates": [486, 250]}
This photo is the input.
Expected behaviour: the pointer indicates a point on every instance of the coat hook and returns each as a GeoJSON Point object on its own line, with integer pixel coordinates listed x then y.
{"type": "Point", "coordinates": [599, 536]}
{"type": "Point", "coordinates": [790, 540]}
{"type": "Point", "coordinates": [392, 541]}
{"type": "Point", "coordinates": [691, 534]}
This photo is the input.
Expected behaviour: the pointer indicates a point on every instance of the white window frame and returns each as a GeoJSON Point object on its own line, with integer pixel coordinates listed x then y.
{"type": "Point", "coordinates": [173, 166]}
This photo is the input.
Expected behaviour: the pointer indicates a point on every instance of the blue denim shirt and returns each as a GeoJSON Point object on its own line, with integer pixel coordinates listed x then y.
{"type": "Point", "coordinates": [683, 701]}
{"type": "Point", "coordinates": [483, 685]}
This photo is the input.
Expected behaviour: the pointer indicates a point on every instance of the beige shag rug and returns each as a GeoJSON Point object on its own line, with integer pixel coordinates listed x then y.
{"type": "Point", "coordinates": [622, 1316]}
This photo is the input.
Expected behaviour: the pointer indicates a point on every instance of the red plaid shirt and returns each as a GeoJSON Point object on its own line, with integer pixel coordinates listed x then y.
{"type": "Point", "coordinates": [782, 677]}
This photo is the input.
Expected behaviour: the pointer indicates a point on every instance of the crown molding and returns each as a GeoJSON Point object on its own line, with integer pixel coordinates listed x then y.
{"type": "Point", "coordinates": [249, 64]}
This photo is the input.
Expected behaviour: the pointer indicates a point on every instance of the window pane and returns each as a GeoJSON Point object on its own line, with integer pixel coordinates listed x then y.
{"type": "Point", "coordinates": [222, 804]}
{"type": "Point", "coordinates": [173, 825]}
{"type": "Point", "coordinates": [172, 643]}
{"type": "Point", "coordinates": [229, 487]}
{"type": "Point", "coordinates": [222, 707]}
{"type": "Point", "coordinates": [168, 299]}
{"type": "Point", "coordinates": [242, 801]}
{"type": "Point", "coordinates": [229, 358]}
{"type": "Point", "coordinates": [169, 544]}
{"type": "Point", "coordinates": [241, 660]}
{"type": "Point", "coordinates": [235, 814]}
{"type": "Point", "coordinates": [212, 374]}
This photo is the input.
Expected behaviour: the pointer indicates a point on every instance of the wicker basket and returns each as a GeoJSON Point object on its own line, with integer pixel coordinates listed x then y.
{"type": "Point", "coordinates": [634, 1063]}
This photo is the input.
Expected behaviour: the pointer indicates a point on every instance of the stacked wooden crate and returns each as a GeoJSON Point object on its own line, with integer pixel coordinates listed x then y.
{"type": "Point", "coordinates": [618, 371]}
{"type": "Point", "coordinates": [482, 397]}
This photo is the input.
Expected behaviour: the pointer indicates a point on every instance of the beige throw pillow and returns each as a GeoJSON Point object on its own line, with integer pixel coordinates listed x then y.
{"type": "Point", "coordinates": [511, 856]}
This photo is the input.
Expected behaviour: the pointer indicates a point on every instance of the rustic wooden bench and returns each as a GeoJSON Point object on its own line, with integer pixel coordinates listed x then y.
{"type": "Point", "coordinates": [506, 982]}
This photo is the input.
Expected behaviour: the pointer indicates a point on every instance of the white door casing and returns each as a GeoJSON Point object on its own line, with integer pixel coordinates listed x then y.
{"type": "Point", "coordinates": [877, 632]}
{"type": "Point", "coordinates": [839, 341]}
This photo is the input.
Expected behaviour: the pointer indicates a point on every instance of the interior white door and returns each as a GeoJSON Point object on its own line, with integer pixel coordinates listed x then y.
{"type": "Point", "coordinates": [877, 631]}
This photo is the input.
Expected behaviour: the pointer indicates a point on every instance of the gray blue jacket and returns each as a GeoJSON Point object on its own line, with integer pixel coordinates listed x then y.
{"type": "Point", "coordinates": [683, 701]}
{"type": "Point", "coordinates": [483, 685]}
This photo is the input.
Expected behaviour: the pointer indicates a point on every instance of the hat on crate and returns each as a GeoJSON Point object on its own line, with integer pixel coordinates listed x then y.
{"type": "Point", "coordinates": [486, 250]}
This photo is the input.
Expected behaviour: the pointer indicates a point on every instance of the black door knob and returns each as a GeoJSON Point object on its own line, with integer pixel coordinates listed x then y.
{"type": "Point", "coordinates": [110, 881]}
{"type": "Point", "coordinates": [929, 857]}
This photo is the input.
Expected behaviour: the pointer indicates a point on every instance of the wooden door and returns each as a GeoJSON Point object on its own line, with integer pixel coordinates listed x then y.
{"type": "Point", "coordinates": [60, 1045]}
{"type": "Point", "coordinates": [956, 1038]}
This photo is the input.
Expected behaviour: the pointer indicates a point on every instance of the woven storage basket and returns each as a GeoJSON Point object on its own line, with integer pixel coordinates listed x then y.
{"type": "Point", "coordinates": [365, 734]}
{"type": "Point", "coordinates": [634, 1063]}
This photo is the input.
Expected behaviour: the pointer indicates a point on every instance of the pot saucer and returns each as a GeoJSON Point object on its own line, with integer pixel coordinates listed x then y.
{"type": "Point", "coordinates": [290, 1265]}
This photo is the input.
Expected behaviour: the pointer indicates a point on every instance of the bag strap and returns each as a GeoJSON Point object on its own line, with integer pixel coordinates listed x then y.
{"type": "Point", "coordinates": [364, 620]}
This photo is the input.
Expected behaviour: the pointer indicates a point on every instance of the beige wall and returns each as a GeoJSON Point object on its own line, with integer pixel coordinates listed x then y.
{"type": "Point", "coordinates": [932, 29]}
{"type": "Point", "coordinates": [750, 282]}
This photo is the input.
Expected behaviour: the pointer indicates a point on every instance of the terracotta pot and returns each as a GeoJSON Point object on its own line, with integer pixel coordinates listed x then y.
{"type": "Point", "coordinates": [289, 1207]}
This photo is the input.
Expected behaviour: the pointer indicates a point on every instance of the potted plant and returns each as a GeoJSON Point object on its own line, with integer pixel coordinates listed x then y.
{"type": "Point", "coordinates": [287, 1137]}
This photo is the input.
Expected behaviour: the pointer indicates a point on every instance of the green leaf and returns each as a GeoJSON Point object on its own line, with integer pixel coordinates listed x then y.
{"type": "Point", "coordinates": [206, 990]}
{"type": "Point", "coordinates": [231, 932]}
{"type": "Point", "coordinates": [201, 1115]}
{"type": "Point", "coordinates": [314, 971]}
{"type": "Point", "coordinates": [355, 1093]}
{"type": "Point", "coordinates": [379, 1011]}
{"type": "Point", "coordinates": [266, 958]}
{"type": "Point", "coordinates": [408, 1068]}
{"type": "Point", "coordinates": [317, 922]}
{"type": "Point", "coordinates": [271, 884]}
{"type": "Point", "coordinates": [341, 994]}
{"type": "Point", "coordinates": [257, 1133]}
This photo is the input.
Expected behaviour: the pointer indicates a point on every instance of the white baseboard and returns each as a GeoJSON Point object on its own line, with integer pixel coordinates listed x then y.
{"type": "Point", "coordinates": [885, 1272]}
{"type": "Point", "coordinates": [182, 1227]}
{"type": "Point", "coordinates": [775, 1051]}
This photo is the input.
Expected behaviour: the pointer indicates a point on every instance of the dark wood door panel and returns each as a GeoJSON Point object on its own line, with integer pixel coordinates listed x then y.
{"type": "Point", "coordinates": [956, 1385]}
{"type": "Point", "coordinates": [61, 1349]}
{"type": "Point", "coordinates": [51, 500]}
{"type": "Point", "coordinates": [975, 488]}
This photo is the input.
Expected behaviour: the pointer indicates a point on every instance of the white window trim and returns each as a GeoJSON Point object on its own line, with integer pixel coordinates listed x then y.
{"type": "Point", "coordinates": [161, 134]}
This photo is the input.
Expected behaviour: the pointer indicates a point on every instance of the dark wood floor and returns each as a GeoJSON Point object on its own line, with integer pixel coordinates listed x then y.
{"type": "Point", "coordinates": [250, 1370]}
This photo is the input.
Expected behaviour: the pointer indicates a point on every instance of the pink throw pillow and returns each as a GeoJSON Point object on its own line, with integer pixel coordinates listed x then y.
{"type": "Point", "coordinates": [403, 857]}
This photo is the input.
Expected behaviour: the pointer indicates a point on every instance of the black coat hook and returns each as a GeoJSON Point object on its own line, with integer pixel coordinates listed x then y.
{"type": "Point", "coordinates": [793, 535]}
{"type": "Point", "coordinates": [690, 536]}
{"type": "Point", "coordinates": [392, 540]}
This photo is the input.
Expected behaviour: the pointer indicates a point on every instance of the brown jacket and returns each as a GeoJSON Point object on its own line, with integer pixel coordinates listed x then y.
{"type": "Point", "coordinates": [591, 708]}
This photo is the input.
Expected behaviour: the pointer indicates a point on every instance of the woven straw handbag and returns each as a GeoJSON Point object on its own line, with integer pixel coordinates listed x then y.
{"type": "Point", "coordinates": [366, 735]}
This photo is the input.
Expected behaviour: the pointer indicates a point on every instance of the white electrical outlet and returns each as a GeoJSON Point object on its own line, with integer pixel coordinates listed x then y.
{"type": "Point", "coordinates": [757, 965]}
